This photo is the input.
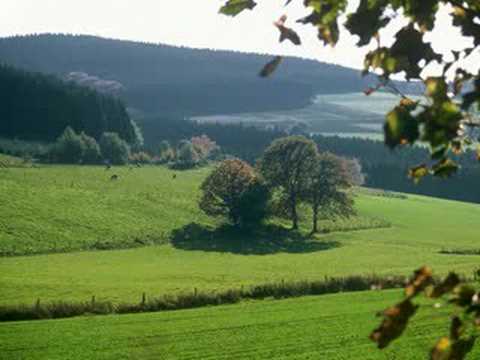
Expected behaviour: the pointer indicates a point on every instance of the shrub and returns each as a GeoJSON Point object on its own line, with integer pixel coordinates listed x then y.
{"type": "Point", "coordinates": [25, 149]}
{"type": "Point", "coordinates": [195, 299]}
{"type": "Point", "coordinates": [187, 156]}
{"type": "Point", "coordinates": [69, 147]}
{"type": "Point", "coordinates": [165, 152]}
{"type": "Point", "coordinates": [114, 149]}
{"type": "Point", "coordinates": [141, 158]}
{"type": "Point", "coordinates": [91, 150]}
{"type": "Point", "coordinates": [204, 146]}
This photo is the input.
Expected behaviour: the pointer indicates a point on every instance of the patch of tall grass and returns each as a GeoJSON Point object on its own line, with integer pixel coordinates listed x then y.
{"type": "Point", "coordinates": [196, 299]}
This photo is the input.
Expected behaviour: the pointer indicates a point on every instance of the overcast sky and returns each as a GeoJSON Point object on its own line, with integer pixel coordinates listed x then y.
{"type": "Point", "coordinates": [194, 23]}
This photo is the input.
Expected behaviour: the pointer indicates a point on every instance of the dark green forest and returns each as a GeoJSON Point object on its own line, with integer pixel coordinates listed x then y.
{"type": "Point", "coordinates": [245, 142]}
{"type": "Point", "coordinates": [161, 79]}
{"type": "Point", "coordinates": [40, 107]}
{"type": "Point", "coordinates": [387, 169]}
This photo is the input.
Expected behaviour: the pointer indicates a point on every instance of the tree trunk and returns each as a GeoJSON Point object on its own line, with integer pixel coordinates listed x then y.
{"type": "Point", "coordinates": [315, 220]}
{"type": "Point", "coordinates": [294, 214]}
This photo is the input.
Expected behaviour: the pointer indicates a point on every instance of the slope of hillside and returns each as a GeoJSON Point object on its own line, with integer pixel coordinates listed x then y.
{"type": "Point", "coordinates": [57, 208]}
{"type": "Point", "coordinates": [165, 79]}
{"type": "Point", "coordinates": [35, 106]}
{"type": "Point", "coordinates": [333, 327]}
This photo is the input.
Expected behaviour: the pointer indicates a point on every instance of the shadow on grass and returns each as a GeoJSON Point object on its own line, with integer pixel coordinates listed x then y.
{"type": "Point", "coordinates": [266, 239]}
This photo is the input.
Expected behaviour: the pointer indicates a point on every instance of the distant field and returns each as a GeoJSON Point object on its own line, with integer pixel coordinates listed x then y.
{"type": "Point", "coordinates": [349, 115]}
{"type": "Point", "coordinates": [66, 208]}
{"type": "Point", "coordinates": [69, 208]}
{"type": "Point", "coordinates": [333, 327]}
{"type": "Point", "coordinates": [7, 161]}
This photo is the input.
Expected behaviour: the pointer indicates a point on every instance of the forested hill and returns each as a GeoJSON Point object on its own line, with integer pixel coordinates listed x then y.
{"type": "Point", "coordinates": [39, 107]}
{"type": "Point", "coordinates": [160, 79]}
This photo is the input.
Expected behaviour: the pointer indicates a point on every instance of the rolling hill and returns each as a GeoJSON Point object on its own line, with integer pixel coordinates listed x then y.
{"type": "Point", "coordinates": [161, 79]}
{"type": "Point", "coordinates": [145, 233]}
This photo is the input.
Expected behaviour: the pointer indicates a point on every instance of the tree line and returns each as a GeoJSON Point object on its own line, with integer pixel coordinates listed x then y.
{"type": "Point", "coordinates": [388, 169]}
{"type": "Point", "coordinates": [79, 148]}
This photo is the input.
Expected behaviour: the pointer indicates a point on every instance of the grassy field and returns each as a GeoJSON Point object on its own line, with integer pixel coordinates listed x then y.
{"type": "Point", "coordinates": [333, 327]}
{"type": "Point", "coordinates": [65, 208]}
{"type": "Point", "coordinates": [71, 208]}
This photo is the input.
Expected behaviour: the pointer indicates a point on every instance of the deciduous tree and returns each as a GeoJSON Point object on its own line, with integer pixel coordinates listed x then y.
{"type": "Point", "coordinates": [114, 149]}
{"type": "Point", "coordinates": [91, 150]}
{"type": "Point", "coordinates": [286, 166]}
{"type": "Point", "coordinates": [235, 191]}
{"type": "Point", "coordinates": [69, 148]}
{"type": "Point", "coordinates": [325, 191]}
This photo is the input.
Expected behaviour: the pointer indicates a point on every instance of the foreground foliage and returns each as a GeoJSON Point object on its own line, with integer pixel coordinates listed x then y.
{"type": "Point", "coordinates": [464, 322]}
{"type": "Point", "coordinates": [440, 122]}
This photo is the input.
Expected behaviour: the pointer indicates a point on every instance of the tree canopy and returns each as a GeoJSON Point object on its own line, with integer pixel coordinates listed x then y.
{"type": "Point", "coordinates": [235, 191]}
{"type": "Point", "coordinates": [330, 176]}
{"type": "Point", "coordinates": [286, 165]}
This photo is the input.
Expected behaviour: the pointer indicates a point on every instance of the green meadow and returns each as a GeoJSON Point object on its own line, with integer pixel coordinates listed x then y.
{"type": "Point", "coordinates": [334, 327]}
{"type": "Point", "coordinates": [81, 234]}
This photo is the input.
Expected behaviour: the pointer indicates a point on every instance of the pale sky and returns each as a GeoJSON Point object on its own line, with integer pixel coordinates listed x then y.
{"type": "Point", "coordinates": [195, 23]}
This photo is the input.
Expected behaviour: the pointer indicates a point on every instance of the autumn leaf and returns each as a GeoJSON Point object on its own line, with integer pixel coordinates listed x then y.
{"type": "Point", "coordinates": [401, 127]}
{"type": "Point", "coordinates": [409, 49]}
{"type": "Point", "coordinates": [422, 278]}
{"type": "Point", "coordinates": [235, 7]}
{"type": "Point", "coordinates": [394, 323]}
{"type": "Point", "coordinates": [462, 347]}
{"type": "Point", "coordinates": [446, 286]}
{"type": "Point", "coordinates": [367, 20]}
{"type": "Point", "coordinates": [445, 168]}
{"type": "Point", "coordinates": [418, 172]}
{"type": "Point", "coordinates": [325, 18]}
{"type": "Point", "coordinates": [285, 32]}
{"type": "Point", "coordinates": [271, 66]}
{"type": "Point", "coordinates": [441, 350]}
{"type": "Point", "coordinates": [456, 328]}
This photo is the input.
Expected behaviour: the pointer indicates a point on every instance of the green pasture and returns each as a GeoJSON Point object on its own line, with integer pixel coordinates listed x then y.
{"type": "Point", "coordinates": [176, 248]}
{"type": "Point", "coordinates": [333, 327]}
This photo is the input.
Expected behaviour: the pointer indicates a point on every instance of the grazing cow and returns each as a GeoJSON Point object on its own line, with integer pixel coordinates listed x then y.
{"type": "Point", "coordinates": [114, 177]}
